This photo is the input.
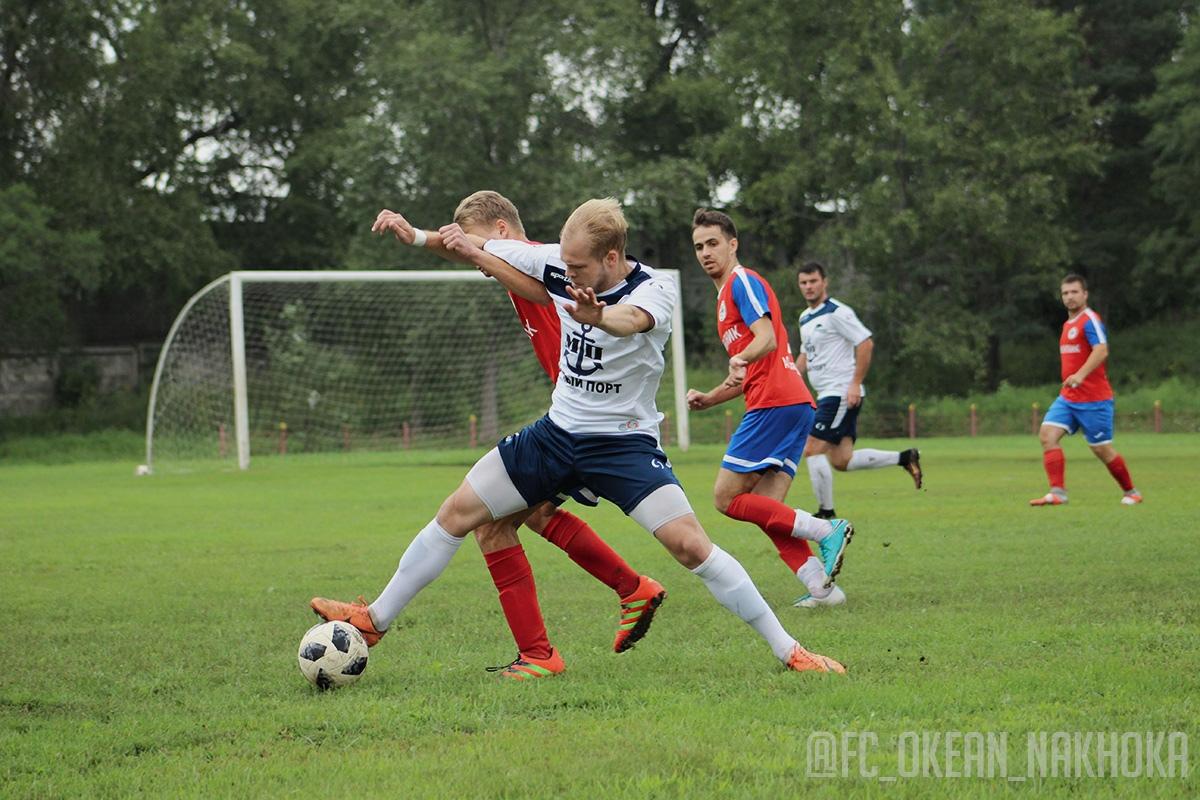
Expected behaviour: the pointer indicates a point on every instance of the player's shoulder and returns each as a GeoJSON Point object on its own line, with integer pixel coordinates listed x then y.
{"type": "Point", "coordinates": [502, 246]}
{"type": "Point", "coordinates": [642, 281]}
{"type": "Point", "coordinates": [744, 272]}
{"type": "Point", "coordinates": [746, 278]}
{"type": "Point", "coordinates": [648, 276]}
{"type": "Point", "coordinates": [830, 306]}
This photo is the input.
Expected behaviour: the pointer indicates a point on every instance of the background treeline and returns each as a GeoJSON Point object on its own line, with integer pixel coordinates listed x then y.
{"type": "Point", "coordinates": [948, 159]}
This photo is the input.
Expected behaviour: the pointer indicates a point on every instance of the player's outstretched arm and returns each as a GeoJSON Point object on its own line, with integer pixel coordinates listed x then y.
{"type": "Point", "coordinates": [725, 390]}
{"type": "Point", "coordinates": [393, 222]}
{"type": "Point", "coordinates": [624, 319]}
{"type": "Point", "coordinates": [468, 248]}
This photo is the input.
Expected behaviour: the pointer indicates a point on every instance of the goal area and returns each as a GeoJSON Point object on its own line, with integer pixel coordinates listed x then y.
{"type": "Point", "coordinates": [270, 363]}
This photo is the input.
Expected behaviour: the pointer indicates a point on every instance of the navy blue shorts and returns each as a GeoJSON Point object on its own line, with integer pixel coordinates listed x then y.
{"type": "Point", "coordinates": [836, 420]}
{"type": "Point", "coordinates": [580, 494]}
{"type": "Point", "coordinates": [544, 461]}
{"type": "Point", "coordinates": [769, 437]}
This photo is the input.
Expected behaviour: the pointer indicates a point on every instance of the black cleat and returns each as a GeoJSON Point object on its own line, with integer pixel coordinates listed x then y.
{"type": "Point", "coordinates": [910, 462]}
{"type": "Point", "coordinates": [825, 513]}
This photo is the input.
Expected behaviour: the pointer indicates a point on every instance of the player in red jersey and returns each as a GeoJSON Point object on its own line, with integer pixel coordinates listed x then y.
{"type": "Point", "coordinates": [1086, 400]}
{"type": "Point", "coordinates": [490, 215]}
{"type": "Point", "coordinates": [758, 468]}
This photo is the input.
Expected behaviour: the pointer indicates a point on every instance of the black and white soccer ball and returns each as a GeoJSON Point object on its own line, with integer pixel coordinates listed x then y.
{"type": "Point", "coordinates": [332, 654]}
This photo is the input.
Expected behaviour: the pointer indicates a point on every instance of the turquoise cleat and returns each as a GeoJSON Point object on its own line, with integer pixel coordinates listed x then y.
{"type": "Point", "coordinates": [833, 547]}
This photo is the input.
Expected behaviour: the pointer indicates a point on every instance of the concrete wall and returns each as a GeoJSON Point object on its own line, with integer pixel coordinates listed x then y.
{"type": "Point", "coordinates": [27, 381]}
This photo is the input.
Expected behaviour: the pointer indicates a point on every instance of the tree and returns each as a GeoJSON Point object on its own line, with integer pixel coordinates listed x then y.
{"type": "Point", "coordinates": [1168, 269]}
{"type": "Point", "coordinates": [1112, 209]}
{"type": "Point", "coordinates": [41, 268]}
{"type": "Point", "coordinates": [931, 145]}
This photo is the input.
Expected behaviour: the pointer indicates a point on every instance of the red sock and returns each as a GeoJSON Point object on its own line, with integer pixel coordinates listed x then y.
{"type": "Point", "coordinates": [1056, 467]}
{"type": "Point", "coordinates": [1117, 469]}
{"type": "Point", "coordinates": [518, 597]}
{"type": "Point", "coordinates": [776, 521]}
{"type": "Point", "coordinates": [585, 547]}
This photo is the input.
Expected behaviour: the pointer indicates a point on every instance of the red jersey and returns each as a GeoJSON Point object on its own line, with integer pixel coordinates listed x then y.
{"type": "Point", "coordinates": [542, 325]}
{"type": "Point", "coordinates": [1080, 335]}
{"type": "Point", "coordinates": [772, 380]}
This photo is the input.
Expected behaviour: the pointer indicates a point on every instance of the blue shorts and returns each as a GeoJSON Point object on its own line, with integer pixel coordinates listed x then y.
{"type": "Point", "coordinates": [1096, 419]}
{"type": "Point", "coordinates": [769, 438]}
{"type": "Point", "coordinates": [544, 461]}
{"type": "Point", "coordinates": [836, 420]}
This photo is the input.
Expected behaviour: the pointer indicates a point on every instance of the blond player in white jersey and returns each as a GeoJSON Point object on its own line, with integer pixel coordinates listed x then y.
{"type": "Point", "coordinates": [835, 353]}
{"type": "Point", "coordinates": [601, 430]}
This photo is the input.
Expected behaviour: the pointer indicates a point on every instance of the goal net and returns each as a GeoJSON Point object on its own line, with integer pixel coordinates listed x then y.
{"type": "Point", "coordinates": [275, 363]}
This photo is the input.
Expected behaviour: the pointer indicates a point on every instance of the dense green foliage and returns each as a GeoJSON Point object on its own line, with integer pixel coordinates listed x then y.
{"type": "Point", "coordinates": [948, 160]}
{"type": "Point", "coordinates": [163, 660]}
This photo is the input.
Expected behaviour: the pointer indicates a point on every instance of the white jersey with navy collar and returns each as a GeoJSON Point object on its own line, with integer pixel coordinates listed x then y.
{"type": "Point", "coordinates": [828, 335]}
{"type": "Point", "coordinates": [606, 384]}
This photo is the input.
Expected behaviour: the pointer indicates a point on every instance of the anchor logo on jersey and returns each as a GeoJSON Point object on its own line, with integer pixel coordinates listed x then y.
{"type": "Point", "coordinates": [582, 346]}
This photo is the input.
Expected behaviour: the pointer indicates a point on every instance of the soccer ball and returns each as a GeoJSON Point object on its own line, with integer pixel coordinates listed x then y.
{"type": "Point", "coordinates": [332, 654]}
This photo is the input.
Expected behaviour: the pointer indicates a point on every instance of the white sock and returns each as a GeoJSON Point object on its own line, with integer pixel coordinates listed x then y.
{"type": "Point", "coordinates": [731, 585]}
{"type": "Point", "coordinates": [809, 527]}
{"type": "Point", "coordinates": [427, 555]}
{"type": "Point", "coordinates": [821, 475]}
{"type": "Point", "coordinates": [812, 575]}
{"type": "Point", "coordinates": [873, 459]}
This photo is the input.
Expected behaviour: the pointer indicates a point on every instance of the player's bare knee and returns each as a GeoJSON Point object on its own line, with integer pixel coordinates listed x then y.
{"type": "Point", "coordinates": [690, 551]}
{"type": "Point", "coordinates": [685, 540]}
{"type": "Point", "coordinates": [1049, 437]}
{"type": "Point", "coordinates": [462, 511]}
{"type": "Point", "coordinates": [496, 535]}
{"type": "Point", "coordinates": [540, 517]}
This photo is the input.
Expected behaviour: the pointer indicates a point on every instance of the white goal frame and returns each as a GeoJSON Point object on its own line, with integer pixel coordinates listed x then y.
{"type": "Point", "coordinates": [236, 280]}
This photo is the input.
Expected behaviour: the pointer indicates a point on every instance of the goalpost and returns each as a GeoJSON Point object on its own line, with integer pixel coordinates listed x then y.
{"type": "Point", "coordinates": [271, 362]}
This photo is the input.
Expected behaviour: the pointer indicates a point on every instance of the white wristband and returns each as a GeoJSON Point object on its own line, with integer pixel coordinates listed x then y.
{"type": "Point", "coordinates": [419, 237]}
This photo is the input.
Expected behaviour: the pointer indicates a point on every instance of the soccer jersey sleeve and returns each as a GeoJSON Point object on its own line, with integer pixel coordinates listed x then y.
{"type": "Point", "coordinates": [1093, 329]}
{"type": "Point", "coordinates": [528, 258]}
{"type": "Point", "coordinates": [657, 298]}
{"type": "Point", "coordinates": [750, 296]}
{"type": "Point", "coordinates": [849, 326]}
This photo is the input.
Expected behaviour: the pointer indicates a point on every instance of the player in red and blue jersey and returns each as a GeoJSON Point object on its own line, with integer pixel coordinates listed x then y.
{"type": "Point", "coordinates": [760, 463]}
{"type": "Point", "coordinates": [1086, 400]}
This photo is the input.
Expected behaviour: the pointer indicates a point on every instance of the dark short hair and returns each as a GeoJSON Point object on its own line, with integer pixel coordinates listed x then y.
{"type": "Point", "coordinates": [812, 266]}
{"type": "Point", "coordinates": [1075, 278]}
{"type": "Point", "coordinates": [704, 216]}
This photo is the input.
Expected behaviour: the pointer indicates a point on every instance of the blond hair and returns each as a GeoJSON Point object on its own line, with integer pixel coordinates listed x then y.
{"type": "Point", "coordinates": [484, 208]}
{"type": "Point", "coordinates": [602, 224]}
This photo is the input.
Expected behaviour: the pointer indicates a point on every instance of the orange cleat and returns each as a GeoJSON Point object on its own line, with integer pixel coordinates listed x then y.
{"type": "Point", "coordinates": [357, 614]}
{"type": "Point", "coordinates": [637, 612]}
{"type": "Point", "coordinates": [1049, 499]}
{"type": "Point", "coordinates": [1131, 498]}
{"type": "Point", "coordinates": [526, 668]}
{"type": "Point", "coordinates": [802, 660]}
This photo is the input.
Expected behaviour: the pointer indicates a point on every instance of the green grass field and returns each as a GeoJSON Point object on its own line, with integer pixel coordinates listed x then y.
{"type": "Point", "coordinates": [152, 627]}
